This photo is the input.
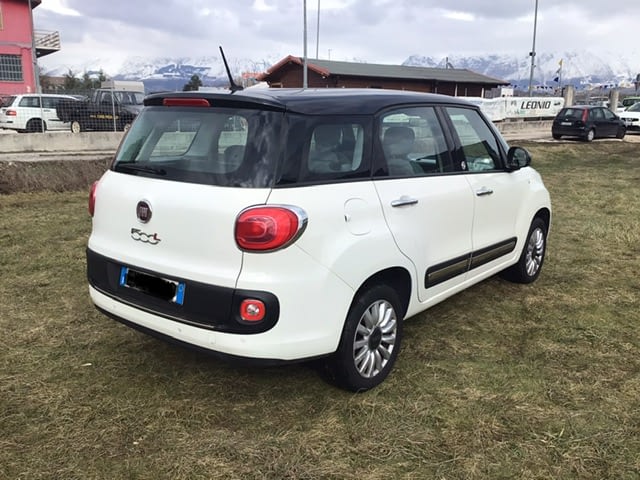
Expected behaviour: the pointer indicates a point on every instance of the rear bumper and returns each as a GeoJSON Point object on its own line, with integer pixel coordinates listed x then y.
{"type": "Point", "coordinates": [205, 306]}
{"type": "Point", "coordinates": [309, 313]}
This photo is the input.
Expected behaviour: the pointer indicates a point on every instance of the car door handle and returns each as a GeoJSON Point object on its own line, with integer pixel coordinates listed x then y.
{"type": "Point", "coordinates": [403, 201]}
{"type": "Point", "coordinates": [481, 192]}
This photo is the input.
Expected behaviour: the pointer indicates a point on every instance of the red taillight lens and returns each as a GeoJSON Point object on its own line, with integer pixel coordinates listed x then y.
{"type": "Point", "coordinates": [585, 115]}
{"type": "Point", "coordinates": [264, 229]}
{"type": "Point", "coordinates": [11, 113]}
{"type": "Point", "coordinates": [185, 102]}
{"type": "Point", "coordinates": [252, 310]}
{"type": "Point", "coordinates": [92, 198]}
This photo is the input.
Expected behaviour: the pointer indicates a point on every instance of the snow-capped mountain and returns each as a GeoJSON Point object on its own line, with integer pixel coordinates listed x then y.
{"type": "Point", "coordinates": [582, 69]}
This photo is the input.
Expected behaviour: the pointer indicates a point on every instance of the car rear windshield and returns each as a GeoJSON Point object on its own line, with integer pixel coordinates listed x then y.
{"type": "Point", "coordinates": [571, 113]}
{"type": "Point", "coordinates": [6, 101]}
{"type": "Point", "coordinates": [232, 147]}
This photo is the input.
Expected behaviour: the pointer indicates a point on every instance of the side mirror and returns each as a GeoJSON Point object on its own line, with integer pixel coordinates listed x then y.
{"type": "Point", "coordinates": [517, 158]}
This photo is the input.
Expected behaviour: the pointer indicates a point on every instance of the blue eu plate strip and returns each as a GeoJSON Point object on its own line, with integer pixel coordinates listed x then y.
{"type": "Point", "coordinates": [123, 276]}
{"type": "Point", "coordinates": [180, 293]}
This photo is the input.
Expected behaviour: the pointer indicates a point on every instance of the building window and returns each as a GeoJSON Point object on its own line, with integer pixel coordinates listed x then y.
{"type": "Point", "coordinates": [11, 68]}
{"type": "Point", "coordinates": [1, 22]}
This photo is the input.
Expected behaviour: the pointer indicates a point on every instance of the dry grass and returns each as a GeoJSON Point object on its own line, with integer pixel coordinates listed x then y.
{"type": "Point", "coordinates": [57, 175]}
{"type": "Point", "coordinates": [500, 382]}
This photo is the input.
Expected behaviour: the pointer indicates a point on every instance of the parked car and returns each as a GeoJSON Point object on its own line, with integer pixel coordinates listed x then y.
{"type": "Point", "coordinates": [32, 112]}
{"type": "Point", "coordinates": [105, 109]}
{"type": "Point", "coordinates": [587, 122]}
{"type": "Point", "coordinates": [628, 101]}
{"type": "Point", "coordinates": [631, 117]}
{"type": "Point", "coordinates": [287, 225]}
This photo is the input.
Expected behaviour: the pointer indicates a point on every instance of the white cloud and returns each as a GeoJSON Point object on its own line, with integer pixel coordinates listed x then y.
{"type": "Point", "coordinates": [376, 31]}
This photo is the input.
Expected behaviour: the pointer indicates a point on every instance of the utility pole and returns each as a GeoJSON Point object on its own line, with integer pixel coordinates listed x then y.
{"type": "Point", "coordinates": [532, 53]}
{"type": "Point", "coordinates": [318, 32]}
{"type": "Point", "coordinates": [304, 60]}
{"type": "Point", "coordinates": [34, 57]}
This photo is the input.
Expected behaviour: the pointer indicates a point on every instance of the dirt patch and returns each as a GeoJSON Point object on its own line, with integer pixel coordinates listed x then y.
{"type": "Point", "coordinates": [52, 175]}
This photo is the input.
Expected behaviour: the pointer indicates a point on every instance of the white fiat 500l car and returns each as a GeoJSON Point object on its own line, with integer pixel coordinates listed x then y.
{"type": "Point", "coordinates": [287, 225]}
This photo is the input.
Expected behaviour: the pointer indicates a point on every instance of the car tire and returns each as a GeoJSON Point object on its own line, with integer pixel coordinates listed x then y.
{"type": "Point", "coordinates": [622, 131]}
{"type": "Point", "coordinates": [36, 125]}
{"type": "Point", "coordinates": [531, 259]}
{"type": "Point", "coordinates": [370, 340]}
{"type": "Point", "coordinates": [76, 126]}
{"type": "Point", "coordinates": [556, 136]}
{"type": "Point", "coordinates": [590, 135]}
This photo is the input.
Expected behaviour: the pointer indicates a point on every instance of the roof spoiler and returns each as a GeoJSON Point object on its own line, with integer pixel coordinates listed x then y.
{"type": "Point", "coordinates": [233, 86]}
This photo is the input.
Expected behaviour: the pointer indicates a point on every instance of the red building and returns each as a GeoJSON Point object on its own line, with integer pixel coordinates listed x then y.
{"type": "Point", "coordinates": [17, 40]}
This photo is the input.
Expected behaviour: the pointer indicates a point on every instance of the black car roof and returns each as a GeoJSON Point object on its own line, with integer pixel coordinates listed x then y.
{"type": "Point", "coordinates": [326, 101]}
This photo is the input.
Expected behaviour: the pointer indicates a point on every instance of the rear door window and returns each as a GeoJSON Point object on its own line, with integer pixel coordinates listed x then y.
{"type": "Point", "coordinates": [323, 149]}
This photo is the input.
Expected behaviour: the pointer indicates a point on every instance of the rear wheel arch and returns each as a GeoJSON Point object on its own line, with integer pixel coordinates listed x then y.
{"type": "Point", "coordinates": [397, 278]}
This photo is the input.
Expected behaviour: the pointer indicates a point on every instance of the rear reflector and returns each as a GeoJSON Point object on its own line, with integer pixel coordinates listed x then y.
{"type": "Point", "coordinates": [252, 310]}
{"type": "Point", "coordinates": [185, 102]}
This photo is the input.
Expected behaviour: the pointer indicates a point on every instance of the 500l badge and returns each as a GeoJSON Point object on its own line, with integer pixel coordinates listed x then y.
{"type": "Point", "coordinates": [140, 236]}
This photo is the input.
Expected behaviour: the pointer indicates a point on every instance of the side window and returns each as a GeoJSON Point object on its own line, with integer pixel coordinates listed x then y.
{"type": "Point", "coordinates": [413, 143]}
{"type": "Point", "coordinates": [608, 114]}
{"type": "Point", "coordinates": [596, 114]}
{"type": "Point", "coordinates": [50, 102]}
{"type": "Point", "coordinates": [336, 147]}
{"type": "Point", "coordinates": [30, 102]}
{"type": "Point", "coordinates": [479, 145]}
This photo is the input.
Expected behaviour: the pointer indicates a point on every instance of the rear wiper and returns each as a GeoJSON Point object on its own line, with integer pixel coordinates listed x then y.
{"type": "Point", "coordinates": [133, 167]}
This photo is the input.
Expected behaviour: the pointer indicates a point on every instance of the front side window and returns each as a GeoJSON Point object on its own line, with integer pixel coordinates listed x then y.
{"type": "Point", "coordinates": [480, 148]}
{"type": "Point", "coordinates": [11, 68]}
{"type": "Point", "coordinates": [413, 143]}
{"type": "Point", "coordinates": [214, 146]}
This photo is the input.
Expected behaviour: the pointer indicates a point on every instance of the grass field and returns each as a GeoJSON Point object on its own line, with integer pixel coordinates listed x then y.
{"type": "Point", "coordinates": [502, 381]}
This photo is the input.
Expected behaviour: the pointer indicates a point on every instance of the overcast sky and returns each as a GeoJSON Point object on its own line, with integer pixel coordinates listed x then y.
{"type": "Point", "coordinates": [373, 31]}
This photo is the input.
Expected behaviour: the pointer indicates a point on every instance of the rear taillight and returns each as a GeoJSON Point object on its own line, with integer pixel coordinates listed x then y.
{"type": "Point", "coordinates": [11, 113]}
{"type": "Point", "coordinates": [585, 115]}
{"type": "Point", "coordinates": [92, 198]}
{"type": "Point", "coordinates": [269, 228]}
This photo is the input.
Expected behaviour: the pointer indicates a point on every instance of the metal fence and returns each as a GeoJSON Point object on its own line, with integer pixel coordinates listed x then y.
{"type": "Point", "coordinates": [75, 111]}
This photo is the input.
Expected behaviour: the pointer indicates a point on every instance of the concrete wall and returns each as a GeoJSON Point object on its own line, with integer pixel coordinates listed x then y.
{"type": "Point", "coordinates": [60, 142]}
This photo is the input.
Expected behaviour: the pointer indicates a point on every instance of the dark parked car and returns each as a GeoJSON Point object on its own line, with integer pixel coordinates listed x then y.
{"type": "Point", "coordinates": [587, 122]}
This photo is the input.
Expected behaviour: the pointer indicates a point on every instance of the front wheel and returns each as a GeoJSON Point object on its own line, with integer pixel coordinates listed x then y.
{"type": "Point", "coordinates": [531, 259]}
{"type": "Point", "coordinates": [556, 136]}
{"type": "Point", "coordinates": [370, 340]}
{"type": "Point", "coordinates": [621, 133]}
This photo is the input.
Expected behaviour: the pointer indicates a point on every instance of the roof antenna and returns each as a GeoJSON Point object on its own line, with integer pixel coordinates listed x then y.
{"type": "Point", "coordinates": [233, 86]}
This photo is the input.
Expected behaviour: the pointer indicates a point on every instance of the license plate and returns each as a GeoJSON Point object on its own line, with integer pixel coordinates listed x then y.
{"type": "Point", "coordinates": [158, 287]}
{"type": "Point", "coordinates": [566, 124]}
